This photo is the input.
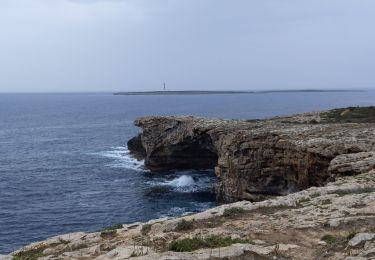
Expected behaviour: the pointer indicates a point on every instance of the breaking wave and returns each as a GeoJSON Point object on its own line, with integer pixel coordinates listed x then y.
{"type": "Point", "coordinates": [122, 159]}
{"type": "Point", "coordinates": [185, 181]}
{"type": "Point", "coordinates": [181, 182]}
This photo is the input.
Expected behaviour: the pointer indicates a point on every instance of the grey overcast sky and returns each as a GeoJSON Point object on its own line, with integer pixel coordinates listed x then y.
{"type": "Point", "coordinates": [121, 45]}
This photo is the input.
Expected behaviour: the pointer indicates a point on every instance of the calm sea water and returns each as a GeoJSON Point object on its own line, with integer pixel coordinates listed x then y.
{"type": "Point", "coordinates": [64, 166]}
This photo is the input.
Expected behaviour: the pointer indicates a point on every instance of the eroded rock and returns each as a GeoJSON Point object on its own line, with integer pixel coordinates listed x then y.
{"type": "Point", "coordinates": [255, 159]}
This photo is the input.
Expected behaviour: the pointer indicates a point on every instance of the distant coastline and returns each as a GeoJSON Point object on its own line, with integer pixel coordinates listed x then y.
{"type": "Point", "coordinates": [214, 92]}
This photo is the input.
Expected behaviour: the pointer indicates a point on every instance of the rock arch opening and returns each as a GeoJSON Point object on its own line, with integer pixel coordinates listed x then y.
{"type": "Point", "coordinates": [191, 153]}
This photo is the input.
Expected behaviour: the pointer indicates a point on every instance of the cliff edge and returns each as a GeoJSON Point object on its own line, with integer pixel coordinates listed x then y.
{"type": "Point", "coordinates": [256, 159]}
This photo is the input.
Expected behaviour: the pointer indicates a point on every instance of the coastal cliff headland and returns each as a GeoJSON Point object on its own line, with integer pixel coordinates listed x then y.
{"type": "Point", "coordinates": [260, 158]}
{"type": "Point", "coordinates": [300, 187]}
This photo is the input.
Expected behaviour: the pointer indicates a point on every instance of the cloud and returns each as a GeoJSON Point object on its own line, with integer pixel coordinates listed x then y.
{"type": "Point", "coordinates": [74, 10]}
{"type": "Point", "coordinates": [206, 44]}
{"type": "Point", "coordinates": [93, 1]}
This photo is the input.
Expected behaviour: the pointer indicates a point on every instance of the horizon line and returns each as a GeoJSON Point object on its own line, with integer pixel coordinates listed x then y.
{"type": "Point", "coordinates": [187, 90]}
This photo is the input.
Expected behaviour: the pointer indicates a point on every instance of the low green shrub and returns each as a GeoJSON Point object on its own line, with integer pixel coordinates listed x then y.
{"type": "Point", "coordinates": [184, 225]}
{"type": "Point", "coordinates": [32, 254]}
{"type": "Point", "coordinates": [329, 239]}
{"type": "Point", "coordinates": [349, 115]}
{"type": "Point", "coordinates": [214, 241]}
{"type": "Point", "coordinates": [110, 231]}
{"type": "Point", "coordinates": [113, 227]}
{"type": "Point", "coordinates": [146, 228]}
{"type": "Point", "coordinates": [229, 212]}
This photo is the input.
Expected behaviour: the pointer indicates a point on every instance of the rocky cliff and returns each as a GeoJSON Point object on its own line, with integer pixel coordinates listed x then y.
{"type": "Point", "coordinates": [257, 158]}
{"type": "Point", "coordinates": [276, 156]}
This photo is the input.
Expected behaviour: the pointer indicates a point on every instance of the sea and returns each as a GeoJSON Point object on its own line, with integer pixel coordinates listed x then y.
{"type": "Point", "coordinates": [65, 166]}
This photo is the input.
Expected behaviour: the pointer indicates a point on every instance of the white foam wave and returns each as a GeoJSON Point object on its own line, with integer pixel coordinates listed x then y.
{"type": "Point", "coordinates": [185, 183]}
{"type": "Point", "coordinates": [122, 159]}
{"type": "Point", "coordinates": [182, 181]}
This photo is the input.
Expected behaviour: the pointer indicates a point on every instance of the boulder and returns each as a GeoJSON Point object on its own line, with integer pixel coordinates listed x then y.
{"type": "Point", "coordinates": [360, 238]}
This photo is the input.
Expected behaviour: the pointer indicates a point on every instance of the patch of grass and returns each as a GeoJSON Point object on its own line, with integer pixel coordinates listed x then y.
{"type": "Point", "coordinates": [110, 231]}
{"type": "Point", "coordinates": [273, 209]}
{"type": "Point", "coordinates": [113, 227]}
{"type": "Point", "coordinates": [342, 193]}
{"type": "Point", "coordinates": [229, 212]}
{"type": "Point", "coordinates": [214, 241]}
{"type": "Point", "coordinates": [350, 115]}
{"type": "Point", "coordinates": [146, 228]}
{"type": "Point", "coordinates": [32, 254]}
{"type": "Point", "coordinates": [329, 239]}
{"type": "Point", "coordinates": [184, 225]}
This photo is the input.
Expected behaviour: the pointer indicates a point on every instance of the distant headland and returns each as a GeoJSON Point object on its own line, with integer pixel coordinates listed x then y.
{"type": "Point", "coordinates": [218, 92]}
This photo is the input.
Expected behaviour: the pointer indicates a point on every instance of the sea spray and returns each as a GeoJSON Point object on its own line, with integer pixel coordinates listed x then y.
{"type": "Point", "coordinates": [185, 181]}
{"type": "Point", "coordinates": [181, 182]}
{"type": "Point", "coordinates": [122, 159]}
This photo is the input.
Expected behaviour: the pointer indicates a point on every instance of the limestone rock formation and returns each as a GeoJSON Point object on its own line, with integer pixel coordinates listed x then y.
{"type": "Point", "coordinates": [257, 158]}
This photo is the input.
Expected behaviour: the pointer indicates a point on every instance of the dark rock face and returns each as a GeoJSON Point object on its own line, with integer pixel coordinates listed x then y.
{"type": "Point", "coordinates": [135, 145]}
{"type": "Point", "coordinates": [192, 151]}
{"type": "Point", "coordinates": [268, 166]}
{"type": "Point", "coordinates": [256, 159]}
